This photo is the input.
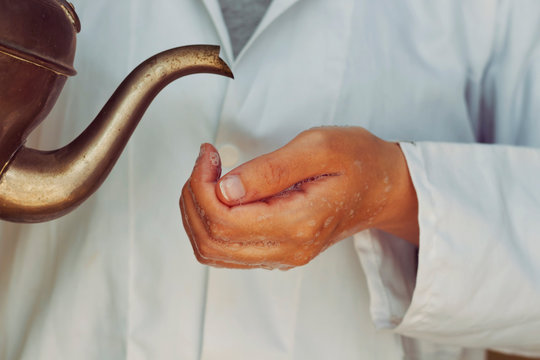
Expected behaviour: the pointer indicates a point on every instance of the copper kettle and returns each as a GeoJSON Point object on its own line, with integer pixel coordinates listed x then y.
{"type": "Point", "coordinates": [37, 47]}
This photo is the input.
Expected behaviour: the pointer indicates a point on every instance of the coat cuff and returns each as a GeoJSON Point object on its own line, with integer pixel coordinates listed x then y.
{"type": "Point", "coordinates": [390, 265]}
{"type": "Point", "coordinates": [471, 282]}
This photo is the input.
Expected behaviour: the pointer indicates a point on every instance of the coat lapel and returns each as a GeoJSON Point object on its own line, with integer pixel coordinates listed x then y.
{"type": "Point", "coordinates": [214, 10]}
{"type": "Point", "coordinates": [276, 9]}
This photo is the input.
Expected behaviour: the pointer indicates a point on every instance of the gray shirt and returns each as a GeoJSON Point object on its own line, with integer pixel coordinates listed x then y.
{"type": "Point", "coordinates": [241, 18]}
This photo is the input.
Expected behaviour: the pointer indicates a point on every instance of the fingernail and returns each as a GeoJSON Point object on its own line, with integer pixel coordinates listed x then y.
{"type": "Point", "coordinates": [232, 188]}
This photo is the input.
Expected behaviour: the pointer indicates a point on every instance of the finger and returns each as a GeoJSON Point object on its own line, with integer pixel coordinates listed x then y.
{"type": "Point", "coordinates": [206, 171]}
{"type": "Point", "coordinates": [234, 223]}
{"type": "Point", "coordinates": [203, 180]}
{"type": "Point", "coordinates": [262, 234]}
{"type": "Point", "coordinates": [207, 168]}
{"type": "Point", "coordinates": [187, 222]}
{"type": "Point", "coordinates": [268, 246]}
{"type": "Point", "coordinates": [304, 158]}
{"type": "Point", "coordinates": [208, 249]}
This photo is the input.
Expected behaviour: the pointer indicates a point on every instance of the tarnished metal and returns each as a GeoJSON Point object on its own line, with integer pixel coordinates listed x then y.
{"type": "Point", "coordinates": [41, 32]}
{"type": "Point", "coordinates": [42, 185]}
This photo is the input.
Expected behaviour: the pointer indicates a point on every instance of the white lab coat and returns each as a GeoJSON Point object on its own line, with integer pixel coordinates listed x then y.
{"type": "Point", "coordinates": [117, 279]}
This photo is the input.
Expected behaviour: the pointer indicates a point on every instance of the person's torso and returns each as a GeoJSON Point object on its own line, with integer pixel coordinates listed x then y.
{"type": "Point", "coordinates": [117, 279]}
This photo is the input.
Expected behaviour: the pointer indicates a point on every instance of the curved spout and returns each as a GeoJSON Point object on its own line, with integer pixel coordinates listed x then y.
{"type": "Point", "coordinates": [42, 185]}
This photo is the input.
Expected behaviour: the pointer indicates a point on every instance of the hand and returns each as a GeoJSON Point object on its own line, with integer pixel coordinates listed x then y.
{"type": "Point", "coordinates": [282, 209]}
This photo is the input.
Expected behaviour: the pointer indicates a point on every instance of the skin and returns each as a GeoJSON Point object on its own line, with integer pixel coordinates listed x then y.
{"type": "Point", "coordinates": [323, 186]}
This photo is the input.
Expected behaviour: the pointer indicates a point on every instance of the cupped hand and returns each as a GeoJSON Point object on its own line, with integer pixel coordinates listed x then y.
{"type": "Point", "coordinates": [282, 209]}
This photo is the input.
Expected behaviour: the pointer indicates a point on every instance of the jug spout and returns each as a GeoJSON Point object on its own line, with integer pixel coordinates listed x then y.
{"type": "Point", "coordinates": [38, 185]}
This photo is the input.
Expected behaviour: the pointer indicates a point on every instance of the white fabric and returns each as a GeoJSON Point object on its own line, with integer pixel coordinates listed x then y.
{"type": "Point", "coordinates": [242, 18]}
{"type": "Point", "coordinates": [502, 274]}
{"type": "Point", "coordinates": [478, 266]}
{"type": "Point", "coordinates": [116, 279]}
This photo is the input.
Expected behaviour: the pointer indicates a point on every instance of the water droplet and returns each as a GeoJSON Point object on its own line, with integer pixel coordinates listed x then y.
{"type": "Point", "coordinates": [263, 217]}
{"type": "Point", "coordinates": [328, 221]}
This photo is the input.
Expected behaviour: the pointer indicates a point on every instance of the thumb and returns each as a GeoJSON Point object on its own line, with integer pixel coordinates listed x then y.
{"type": "Point", "coordinates": [270, 174]}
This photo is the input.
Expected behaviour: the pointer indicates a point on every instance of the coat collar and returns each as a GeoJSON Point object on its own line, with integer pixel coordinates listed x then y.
{"type": "Point", "coordinates": [276, 9]}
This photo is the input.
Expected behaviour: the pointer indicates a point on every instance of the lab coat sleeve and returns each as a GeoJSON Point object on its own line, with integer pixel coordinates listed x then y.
{"type": "Point", "coordinates": [478, 277]}
{"type": "Point", "coordinates": [475, 280]}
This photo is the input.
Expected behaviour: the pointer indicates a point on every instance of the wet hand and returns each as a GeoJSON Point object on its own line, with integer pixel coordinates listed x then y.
{"type": "Point", "coordinates": [282, 209]}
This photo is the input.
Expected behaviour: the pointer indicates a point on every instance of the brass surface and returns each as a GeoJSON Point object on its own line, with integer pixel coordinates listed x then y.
{"type": "Point", "coordinates": [42, 32]}
{"type": "Point", "coordinates": [37, 46]}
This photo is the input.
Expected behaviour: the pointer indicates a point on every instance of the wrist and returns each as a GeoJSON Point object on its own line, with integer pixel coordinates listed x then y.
{"type": "Point", "coordinates": [400, 214]}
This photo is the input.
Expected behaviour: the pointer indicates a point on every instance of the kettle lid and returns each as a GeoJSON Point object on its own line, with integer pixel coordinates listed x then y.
{"type": "Point", "coordinates": [42, 32]}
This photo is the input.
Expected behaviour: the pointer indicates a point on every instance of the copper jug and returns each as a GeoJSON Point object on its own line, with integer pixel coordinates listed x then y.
{"type": "Point", "coordinates": [37, 48]}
